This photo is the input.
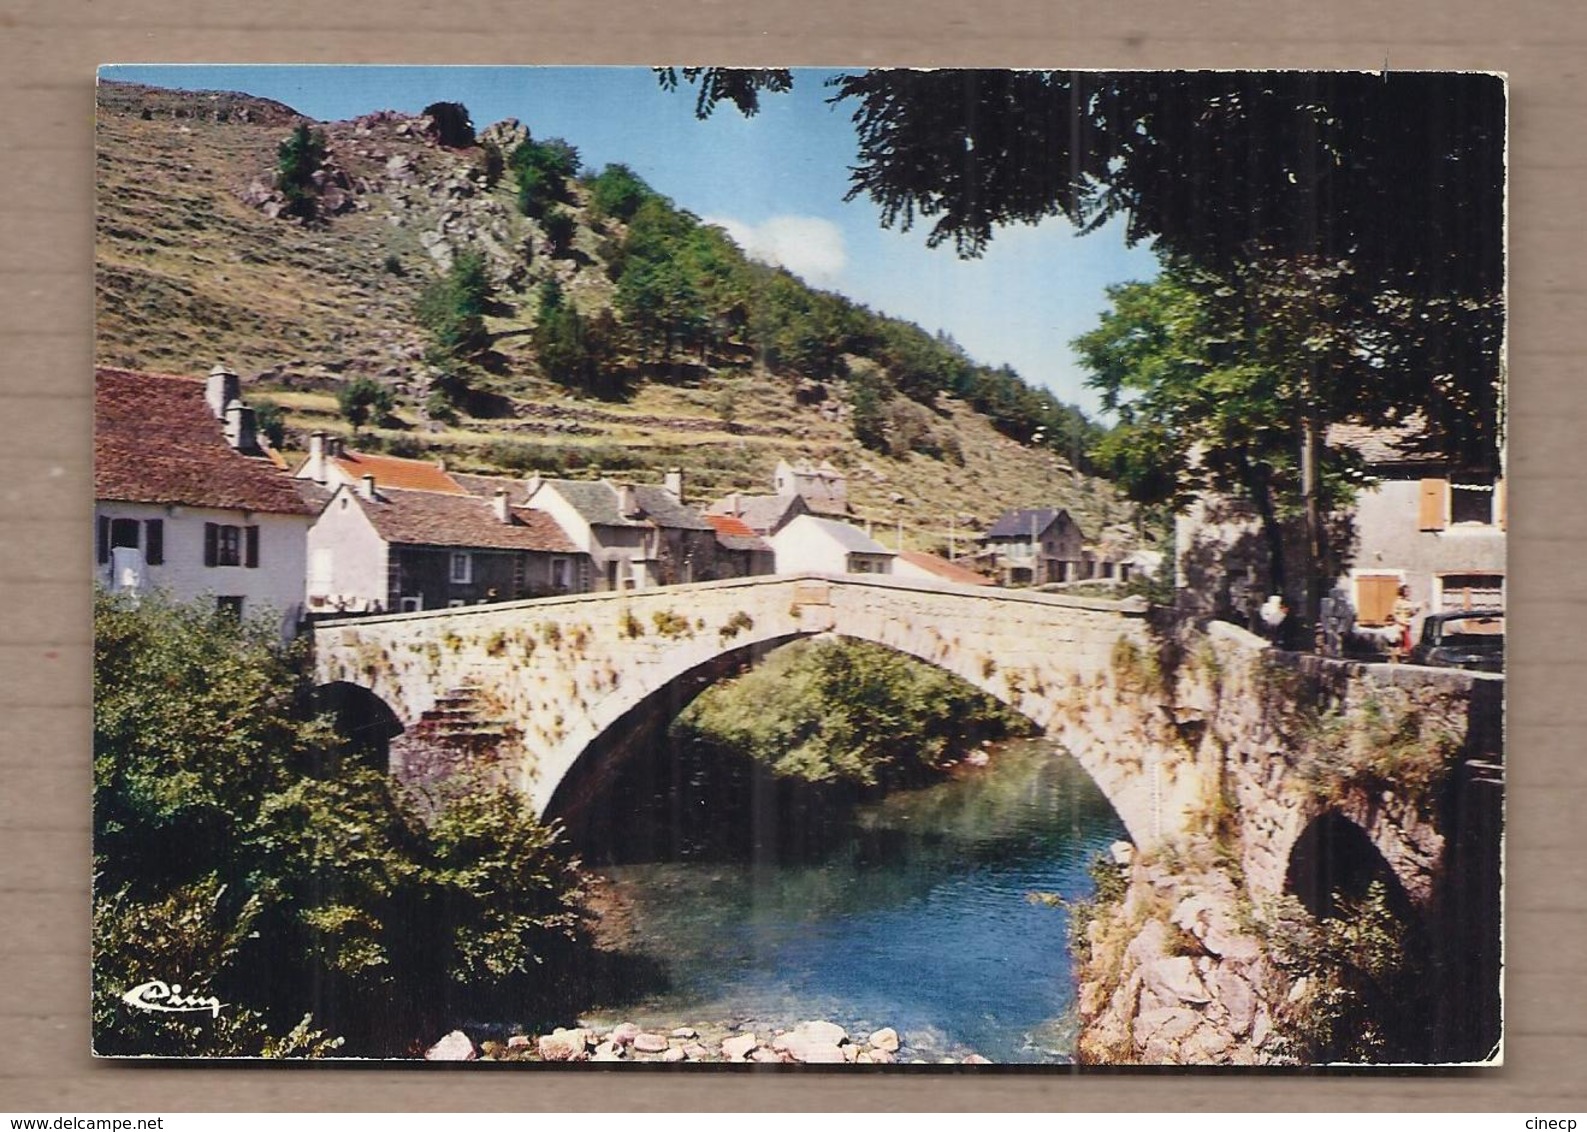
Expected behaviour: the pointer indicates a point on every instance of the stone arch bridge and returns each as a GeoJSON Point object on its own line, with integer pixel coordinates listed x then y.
{"type": "Point", "coordinates": [564, 681]}
{"type": "Point", "coordinates": [554, 692]}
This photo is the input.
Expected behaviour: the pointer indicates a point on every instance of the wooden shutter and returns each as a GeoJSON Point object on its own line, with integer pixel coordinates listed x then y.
{"type": "Point", "coordinates": [1434, 508]}
{"type": "Point", "coordinates": [102, 541]}
{"type": "Point", "coordinates": [1500, 499]}
{"type": "Point", "coordinates": [154, 542]}
{"type": "Point", "coordinates": [251, 549]}
{"type": "Point", "coordinates": [1375, 597]}
{"type": "Point", "coordinates": [211, 542]}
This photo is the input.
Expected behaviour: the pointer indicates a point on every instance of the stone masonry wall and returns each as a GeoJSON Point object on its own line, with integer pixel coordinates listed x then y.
{"type": "Point", "coordinates": [1182, 970]}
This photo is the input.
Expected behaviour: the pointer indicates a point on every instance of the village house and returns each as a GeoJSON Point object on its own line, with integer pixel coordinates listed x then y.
{"type": "Point", "coordinates": [331, 463]}
{"type": "Point", "coordinates": [638, 535]}
{"type": "Point", "coordinates": [740, 548]}
{"type": "Point", "coordinates": [1428, 523]}
{"type": "Point", "coordinates": [1038, 546]}
{"type": "Point", "coordinates": [377, 549]}
{"type": "Point", "coordinates": [765, 515]}
{"type": "Point", "coordinates": [824, 489]}
{"type": "Point", "coordinates": [189, 501]}
{"type": "Point", "coordinates": [932, 568]}
{"type": "Point", "coordinates": [811, 544]}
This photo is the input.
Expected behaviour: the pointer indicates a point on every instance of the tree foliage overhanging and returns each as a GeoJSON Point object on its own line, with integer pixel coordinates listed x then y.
{"type": "Point", "coordinates": [241, 850]}
{"type": "Point", "coordinates": [1396, 178]}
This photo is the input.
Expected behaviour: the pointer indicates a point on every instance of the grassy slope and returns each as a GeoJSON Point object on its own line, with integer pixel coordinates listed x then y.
{"type": "Point", "coordinates": [189, 274]}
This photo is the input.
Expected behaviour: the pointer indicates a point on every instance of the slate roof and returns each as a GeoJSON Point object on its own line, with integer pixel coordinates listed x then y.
{"type": "Point", "coordinates": [485, 486]}
{"type": "Point", "coordinates": [849, 537]}
{"type": "Point", "coordinates": [763, 513]}
{"type": "Point", "coordinates": [597, 502]}
{"type": "Point", "coordinates": [942, 568]}
{"type": "Point", "coordinates": [397, 472]}
{"type": "Point", "coordinates": [434, 518]}
{"type": "Point", "coordinates": [733, 534]}
{"type": "Point", "coordinates": [1019, 523]}
{"type": "Point", "coordinates": [156, 441]}
{"type": "Point", "coordinates": [1391, 445]}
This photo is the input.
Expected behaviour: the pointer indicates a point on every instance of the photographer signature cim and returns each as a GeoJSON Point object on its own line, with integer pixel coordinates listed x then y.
{"type": "Point", "coordinates": [164, 998]}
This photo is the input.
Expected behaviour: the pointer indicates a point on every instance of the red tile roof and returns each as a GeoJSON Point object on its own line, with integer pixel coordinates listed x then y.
{"type": "Point", "coordinates": [156, 441]}
{"type": "Point", "coordinates": [735, 534]}
{"type": "Point", "coordinates": [730, 525]}
{"type": "Point", "coordinates": [942, 568]}
{"type": "Point", "coordinates": [433, 518]}
{"type": "Point", "coordinates": [394, 471]}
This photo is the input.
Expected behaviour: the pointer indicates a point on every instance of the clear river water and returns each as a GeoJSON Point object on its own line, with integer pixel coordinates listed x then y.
{"type": "Point", "coordinates": [915, 914]}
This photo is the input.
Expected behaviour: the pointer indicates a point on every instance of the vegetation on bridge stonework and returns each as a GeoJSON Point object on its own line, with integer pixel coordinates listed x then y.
{"type": "Point", "coordinates": [242, 852]}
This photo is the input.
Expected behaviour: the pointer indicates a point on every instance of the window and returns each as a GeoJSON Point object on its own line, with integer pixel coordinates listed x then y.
{"type": "Point", "coordinates": [462, 567]}
{"type": "Point", "coordinates": [456, 603]}
{"type": "Point", "coordinates": [119, 534]}
{"type": "Point", "coordinates": [1471, 501]}
{"type": "Point", "coordinates": [1470, 591]}
{"type": "Point", "coordinates": [410, 604]}
{"type": "Point", "coordinates": [559, 575]}
{"type": "Point", "coordinates": [124, 533]}
{"type": "Point", "coordinates": [1468, 501]}
{"type": "Point", "coordinates": [227, 545]}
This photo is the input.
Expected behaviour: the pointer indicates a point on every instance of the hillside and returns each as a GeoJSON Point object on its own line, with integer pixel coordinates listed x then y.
{"type": "Point", "coordinates": [198, 262]}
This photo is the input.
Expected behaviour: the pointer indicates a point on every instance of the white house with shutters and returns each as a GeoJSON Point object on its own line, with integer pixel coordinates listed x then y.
{"type": "Point", "coordinates": [1429, 523]}
{"type": "Point", "coordinates": [187, 501]}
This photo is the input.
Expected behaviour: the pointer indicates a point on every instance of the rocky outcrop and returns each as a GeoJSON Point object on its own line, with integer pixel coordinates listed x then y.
{"type": "Point", "coordinates": [1173, 977]}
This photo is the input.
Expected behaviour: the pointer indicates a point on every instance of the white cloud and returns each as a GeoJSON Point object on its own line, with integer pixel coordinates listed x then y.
{"type": "Point", "coordinates": [808, 246]}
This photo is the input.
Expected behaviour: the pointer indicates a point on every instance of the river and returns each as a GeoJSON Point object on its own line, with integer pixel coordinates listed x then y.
{"type": "Point", "coordinates": [913, 914]}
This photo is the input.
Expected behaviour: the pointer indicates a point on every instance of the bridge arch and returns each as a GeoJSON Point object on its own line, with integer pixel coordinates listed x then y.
{"type": "Point", "coordinates": [574, 672]}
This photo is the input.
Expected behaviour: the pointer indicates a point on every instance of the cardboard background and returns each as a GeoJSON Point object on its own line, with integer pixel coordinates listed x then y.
{"type": "Point", "coordinates": [48, 52]}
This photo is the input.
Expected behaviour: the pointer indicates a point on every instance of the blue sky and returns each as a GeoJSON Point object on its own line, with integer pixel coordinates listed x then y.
{"type": "Point", "coordinates": [775, 181]}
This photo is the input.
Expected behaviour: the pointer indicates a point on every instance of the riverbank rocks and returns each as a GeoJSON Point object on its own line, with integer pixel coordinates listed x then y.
{"type": "Point", "coordinates": [564, 1045]}
{"type": "Point", "coordinates": [884, 1039]}
{"type": "Point", "coordinates": [456, 1046]}
{"type": "Point", "coordinates": [1174, 978]}
{"type": "Point", "coordinates": [807, 1043]}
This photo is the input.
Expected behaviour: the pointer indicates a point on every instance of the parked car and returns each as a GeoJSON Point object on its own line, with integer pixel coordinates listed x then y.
{"type": "Point", "coordinates": [1471, 638]}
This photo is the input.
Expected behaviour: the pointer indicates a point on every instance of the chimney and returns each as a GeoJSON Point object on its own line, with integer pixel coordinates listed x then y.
{"type": "Point", "coordinates": [499, 505]}
{"type": "Point", "coordinates": [674, 483]}
{"type": "Point", "coordinates": [531, 486]}
{"type": "Point", "coordinates": [735, 505]}
{"type": "Point", "coordinates": [336, 446]}
{"type": "Point", "coordinates": [316, 465]}
{"type": "Point", "coordinates": [221, 390]}
{"type": "Point", "coordinates": [241, 433]}
{"type": "Point", "coordinates": [367, 488]}
{"type": "Point", "coordinates": [627, 505]}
